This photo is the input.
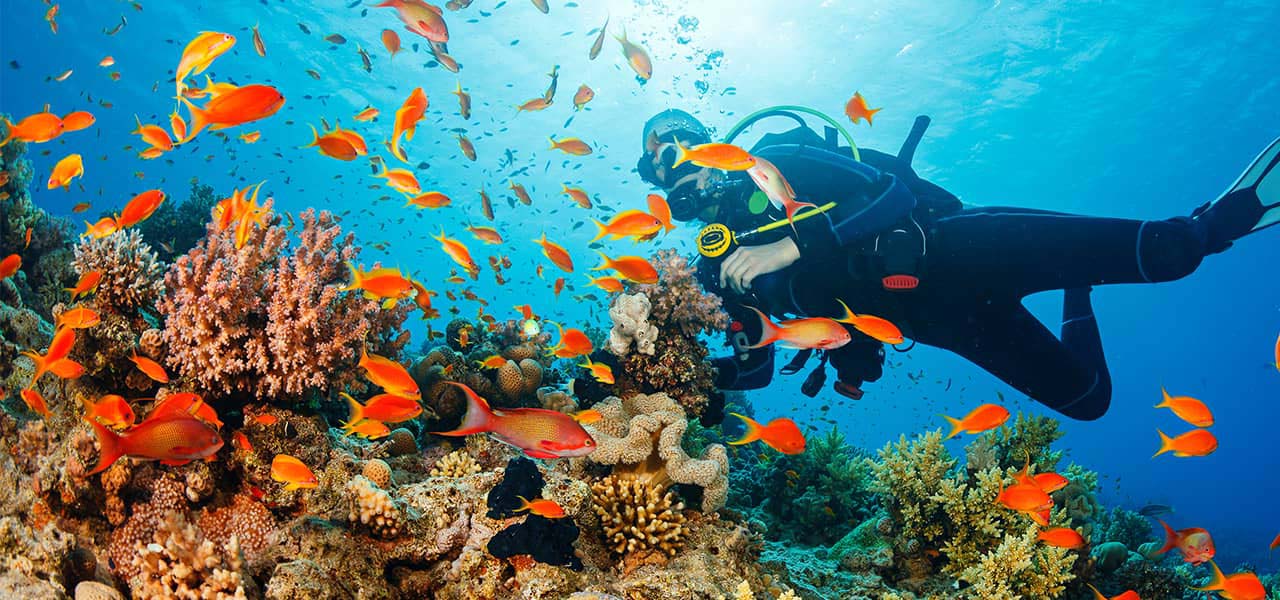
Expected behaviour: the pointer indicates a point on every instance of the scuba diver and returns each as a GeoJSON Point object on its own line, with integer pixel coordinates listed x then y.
{"type": "Point", "coordinates": [892, 245]}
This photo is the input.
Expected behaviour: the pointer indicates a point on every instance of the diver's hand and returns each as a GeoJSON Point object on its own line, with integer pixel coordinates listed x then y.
{"type": "Point", "coordinates": [748, 262]}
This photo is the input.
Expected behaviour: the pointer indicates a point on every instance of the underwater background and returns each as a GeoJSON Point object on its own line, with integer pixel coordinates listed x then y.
{"type": "Point", "coordinates": [1139, 110]}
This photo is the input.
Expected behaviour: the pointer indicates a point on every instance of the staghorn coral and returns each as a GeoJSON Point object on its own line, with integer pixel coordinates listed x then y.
{"type": "Point", "coordinates": [260, 321]}
{"type": "Point", "coordinates": [642, 436]}
{"type": "Point", "coordinates": [182, 564]}
{"type": "Point", "coordinates": [638, 516]}
{"type": "Point", "coordinates": [375, 509]}
{"type": "Point", "coordinates": [132, 275]}
{"type": "Point", "coordinates": [630, 314]}
{"type": "Point", "coordinates": [455, 464]}
{"type": "Point", "coordinates": [1029, 438]}
{"type": "Point", "coordinates": [1020, 567]}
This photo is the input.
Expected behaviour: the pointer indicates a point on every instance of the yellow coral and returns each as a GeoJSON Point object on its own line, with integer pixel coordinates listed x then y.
{"type": "Point", "coordinates": [638, 515]}
{"type": "Point", "coordinates": [1020, 567]}
{"type": "Point", "coordinates": [455, 464]}
{"type": "Point", "coordinates": [374, 508]}
{"type": "Point", "coordinates": [181, 563]}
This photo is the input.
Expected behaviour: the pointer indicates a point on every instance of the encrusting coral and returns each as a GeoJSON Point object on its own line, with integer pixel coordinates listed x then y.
{"type": "Point", "coordinates": [642, 435]}
{"type": "Point", "coordinates": [255, 319]}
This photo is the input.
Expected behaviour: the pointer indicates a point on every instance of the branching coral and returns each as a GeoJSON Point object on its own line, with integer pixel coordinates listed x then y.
{"type": "Point", "coordinates": [638, 515]}
{"type": "Point", "coordinates": [181, 563]}
{"type": "Point", "coordinates": [455, 464]}
{"type": "Point", "coordinates": [1020, 567]}
{"type": "Point", "coordinates": [631, 326]}
{"type": "Point", "coordinates": [373, 508]}
{"type": "Point", "coordinates": [132, 276]}
{"type": "Point", "coordinates": [642, 436]}
{"type": "Point", "coordinates": [681, 311]}
{"type": "Point", "coordinates": [256, 320]}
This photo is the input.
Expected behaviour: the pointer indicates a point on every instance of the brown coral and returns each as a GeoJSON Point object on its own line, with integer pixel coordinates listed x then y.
{"type": "Point", "coordinates": [245, 519]}
{"type": "Point", "coordinates": [132, 275]}
{"type": "Point", "coordinates": [378, 471]}
{"type": "Point", "coordinates": [638, 515]}
{"type": "Point", "coordinates": [518, 380]}
{"type": "Point", "coordinates": [181, 563]}
{"type": "Point", "coordinates": [642, 436]}
{"type": "Point", "coordinates": [256, 320]}
{"type": "Point", "coordinates": [167, 496]}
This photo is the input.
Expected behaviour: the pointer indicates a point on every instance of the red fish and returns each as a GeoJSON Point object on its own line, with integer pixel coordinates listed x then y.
{"type": "Point", "coordinates": [140, 208]}
{"type": "Point", "coordinates": [1195, 544]}
{"type": "Point", "coordinates": [781, 434]}
{"type": "Point", "coordinates": [983, 418]}
{"type": "Point", "coordinates": [172, 439]}
{"type": "Point", "coordinates": [539, 432]}
{"type": "Point", "coordinates": [9, 266]}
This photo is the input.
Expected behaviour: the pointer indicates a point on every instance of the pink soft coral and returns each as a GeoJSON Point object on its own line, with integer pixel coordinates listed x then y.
{"type": "Point", "coordinates": [261, 321]}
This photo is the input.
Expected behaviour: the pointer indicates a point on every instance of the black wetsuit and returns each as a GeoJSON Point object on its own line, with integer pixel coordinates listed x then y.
{"type": "Point", "coordinates": [978, 265]}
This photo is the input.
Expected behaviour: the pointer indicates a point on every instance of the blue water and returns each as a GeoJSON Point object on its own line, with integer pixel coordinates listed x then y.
{"type": "Point", "coordinates": [1137, 109]}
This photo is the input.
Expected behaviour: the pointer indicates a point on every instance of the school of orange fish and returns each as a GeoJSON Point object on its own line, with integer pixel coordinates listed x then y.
{"type": "Point", "coordinates": [181, 427]}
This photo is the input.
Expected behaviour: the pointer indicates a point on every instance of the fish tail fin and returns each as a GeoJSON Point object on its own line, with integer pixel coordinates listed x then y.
{"type": "Point", "coordinates": [1217, 582]}
{"type": "Point", "coordinates": [554, 143]}
{"type": "Point", "coordinates": [602, 230]}
{"type": "Point", "coordinates": [8, 125]}
{"type": "Point", "coordinates": [524, 503]}
{"type": "Point", "coordinates": [1166, 444]}
{"type": "Point", "coordinates": [1096, 594]}
{"type": "Point", "coordinates": [315, 137]}
{"type": "Point", "coordinates": [682, 155]}
{"type": "Point", "coordinates": [956, 427]}
{"type": "Point", "coordinates": [769, 332]}
{"type": "Point", "coordinates": [1170, 538]}
{"type": "Point", "coordinates": [41, 365]}
{"type": "Point", "coordinates": [109, 447]}
{"type": "Point", "coordinates": [199, 120]}
{"type": "Point", "coordinates": [754, 430]}
{"type": "Point", "coordinates": [356, 280]}
{"type": "Point", "coordinates": [355, 412]}
{"type": "Point", "coordinates": [849, 317]}
{"type": "Point", "coordinates": [479, 417]}
{"type": "Point", "coordinates": [608, 262]}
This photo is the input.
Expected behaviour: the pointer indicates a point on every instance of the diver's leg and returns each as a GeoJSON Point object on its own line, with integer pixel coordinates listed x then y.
{"type": "Point", "coordinates": [999, 251]}
{"type": "Point", "coordinates": [1068, 375]}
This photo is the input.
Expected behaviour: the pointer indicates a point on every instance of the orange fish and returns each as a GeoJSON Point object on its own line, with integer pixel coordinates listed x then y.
{"type": "Point", "coordinates": [876, 328]}
{"type": "Point", "coordinates": [632, 268]}
{"type": "Point", "coordinates": [637, 57]}
{"type": "Point", "coordinates": [291, 472]}
{"type": "Point", "coordinates": [1275, 543]}
{"type": "Point", "coordinates": [243, 105]}
{"type": "Point", "coordinates": [422, 297]}
{"type": "Point", "coordinates": [35, 402]}
{"type": "Point", "coordinates": [628, 223]}
{"type": "Point", "coordinates": [781, 434]}
{"type": "Point", "coordinates": [258, 45]}
{"type": "Point", "coordinates": [464, 102]}
{"type": "Point", "coordinates": [111, 410]}
{"type": "Point", "coordinates": [459, 253]}
{"type": "Point", "coordinates": [26, 238]}
{"type": "Point", "coordinates": [80, 207]}
{"type": "Point", "coordinates": [1050, 482]}
{"type": "Point", "coordinates": [367, 114]}
{"type": "Point", "coordinates": [588, 416]}
{"type": "Point", "coordinates": [37, 128]}
{"type": "Point", "coordinates": [1195, 544]}
{"type": "Point", "coordinates": [571, 145]}
{"type": "Point", "coordinates": [150, 368]}
{"type": "Point", "coordinates": [78, 318]}
{"type": "Point", "coordinates": [406, 123]}
{"type": "Point", "coordinates": [187, 403]}
{"type": "Point", "coordinates": [445, 60]}
{"type": "Point", "coordinates": [1024, 498]}
{"type": "Point", "coordinates": [818, 333]}
{"type": "Point", "coordinates": [179, 126]}
{"type": "Point", "coordinates": [63, 340]}
{"type": "Point", "coordinates": [401, 180]}
{"type": "Point", "coordinates": [421, 18]}
{"type": "Point", "coordinates": [1188, 409]}
{"type": "Point", "coordinates": [103, 228]}
{"type": "Point", "coordinates": [578, 195]}
{"type": "Point", "coordinates": [1128, 595]}
{"type": "Point", "coordinates": [1197, 442]}
{"type": "Point", "coordinates": [389, 375]}
{"type": "Point", "coordinates": [541, 507]}
{"type": "Point", "coordinates": [106, 61]}
{"type": "Point", "coordinates": [75, 121]}
{"type": "Point", "coordinates": [609, 284]}
{"type": "Point", "coordinates": [468, 148]}
{"type": "Point", "coordinates": [856, 109]}
{"type": "Point", "coordinates": [87, 283]}
{"type": "Point", "coordinates": [1237, 586]}
{"type": "Point", "coordinates": [660, 210]}
{"type": "Point", "coordinates": [266, 419]}
{"type": "Point", "coordinates": [600, 371]}
{"type": "Point", "coordinates": [521, 194]}
{"type": "Point", "coordinates": [151, 153]}
{"type": "Point", "coordinates": [391, 41]}
{"type": "Point", "coordinates": [487, 235]}
{"type": "Point", "coordinates": [534, 105]}
{"type": "Point", "coordinates": [140, 208]}
{"type": "Point", "coordinates": [173, 439]}
{"type": "Point", "coordinates": [486, 205]}
{"type": "Point", "coordinates": [199, 54]}
{"type": "Point", "coordinates": [725, 157]}
{"type": "Point", "coordinates": [70, 167]}
{"type": "Point", "coordinates": [980, 419]}
{"type": "Point", "coordinates": [251, 137]}
{"type": "Point", "coordinates": [1062, 537]}
{"type": "Point", "coordinates": [769, 179]}
{"type": "Point", "coordinates": [153, 135]}
{"type": "Point", "coordinates": [582, 97]}
{"type": "Point", "coordinates": [333, 145]}
{"type": "Point", "coordinates": [539, 432]}
{"type": "Point", "coordinates": [429, 200]}
{"type": "Point", "coordinates": [9, 266]}
{"type": "Point", "coordinates": [556, 254]}
{"type": "Point", "coordinates": [51, 16]}
{"type": "Point", "coordinates": [573, 343]}
{"type": "Point", "coordinates": [557, 287]}
{"type": "Point", "coordinates": [387, 408]}
{"type": "Point", "coordinates": [370, 430]}
{"type": "Point", "coordinates": [492, 362]}
{"type": "Point", "coordinates": [597, 45]}
{"type": "Point", "coordinates": [241, 441]}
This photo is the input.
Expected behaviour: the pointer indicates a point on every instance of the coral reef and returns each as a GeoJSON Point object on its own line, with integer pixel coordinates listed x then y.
{"type": "Point", "coordinates": [638, 516]}
{"type": "Point", "coordinates": [257, 320]}
{"type": "Point", "coordinates": [181, 563]}
{"type": "Point", "coordinates": [631, 326]}
{"type": "Point", "coordinates": [642, 436]}
{"type": "Point", "coordinates": [680, 311]}
{"type": "Point", "coordinates": [373, 508]}
{"type": "Point", "coordinates": [455, 464]}
{"type": "Point", "coordinates": [132, 275]}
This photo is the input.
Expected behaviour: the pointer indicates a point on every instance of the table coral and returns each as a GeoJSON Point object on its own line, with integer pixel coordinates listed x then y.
{"type": "Point", "coordinates": [263, 321]}
{"type": "Point", "coordinates": [642, 436]}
